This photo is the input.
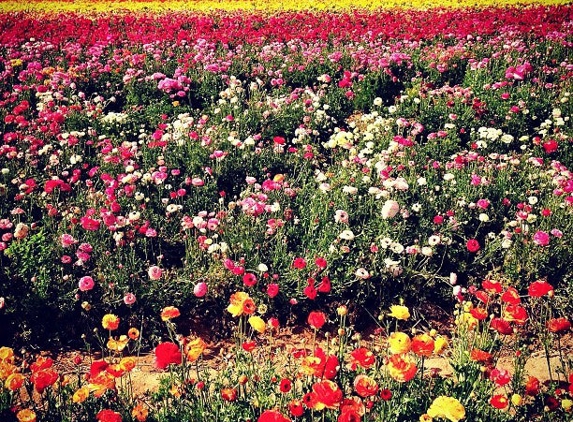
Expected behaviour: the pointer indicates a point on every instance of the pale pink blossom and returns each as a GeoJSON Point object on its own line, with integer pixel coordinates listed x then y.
{"type": "Point", "coordinates": [86, 283]}
{"type": "Point", "coordinates": [154, 272]}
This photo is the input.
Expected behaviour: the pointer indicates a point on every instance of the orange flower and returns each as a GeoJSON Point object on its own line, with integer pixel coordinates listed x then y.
{"type": "Point", "coordinates": [133, 333]}
{"type": "Point", "coordinates": [399, 342]}
{"type": "Point", "coordinates": [365, 386]}
{"type": "Point", "coordinates": [127, 363]}
{"type": "Point", "coordinates": [14, 381]}
{"type": "Point", "coordinates": [482, 356]}
{"type": "Point", "coordinates": [6, 369]}
{"type": "Point", "coordinates": [195, 348]}
{"type": "Point", "coordinates": [169, 312]}
{"type": "Point", "coordinates": [26, 415]}
{"type": "Point", "coordinates": [423, 345]}
{"type": "Point", "coordinates": [229, 394]}
{"type": "Point", "coordinates": [241, 303]}
{"type": "Point", "coordinates": [6, 354]}
{"type": "Point", "coordinates": [101, 383]}
{"type": "Point", "coordinates": [532, 386]}
{"type": "Point", "coordinates": [116, 370]}
{"type": "Point", "coordinates": [401, 368]}
{"type": "Point", "coordinates": [110, 322]}
{"type": "Point", "coordinates": [140, 412]}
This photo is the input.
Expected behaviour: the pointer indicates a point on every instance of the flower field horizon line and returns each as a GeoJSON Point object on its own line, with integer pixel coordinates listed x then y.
{"type": "Point", "coordinates": [158, 6]}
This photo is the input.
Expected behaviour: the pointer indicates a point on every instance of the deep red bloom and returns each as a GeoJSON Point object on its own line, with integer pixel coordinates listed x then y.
{"type": "Point", "coordinates": [272, 416]}
{"type": "Point", "coordinates": [295, 408]}
{"type": "Point", "coordinates": [43, 379]}
{"type": "Point", "coordinates": [316, 319]}
{"type": "Point", "coordinates": [249, 279]}
{"type": "Point", "coordinates": [550, 146]}
{"type": "Point", "coordinates": [385, 394]}
{"type": "Point", "coordinates": [285, 385]}
{"type": "Point", "coordinates": [473, 245]}
{"type": "Point", "coordinates": [324, 286]}
{"type": "Point", "coordinates": [532, 386]}
{"type": "Point", "coordinates": [229, 394]}
{"type": "Point", "coordinates": [249, 346]}
{"type": "Point", "coordinates": [320, 263]}
{"type": "Point", "coordinates": [299, 263]}
{"type": "Point", "coordinates": [108, 415]}
{"type": "Point", "coordinates": [492, 286]}
{"type": "Point", "coordinates": [516, 314]}
{"type": "Point", "coordinates": [539, 288]}
{"type": "Point", "coordinates": [166, 354]}
{"type": "Point", "coordinates": [272, 290]}
{"type": "Point", "coordinates": [501, 326]}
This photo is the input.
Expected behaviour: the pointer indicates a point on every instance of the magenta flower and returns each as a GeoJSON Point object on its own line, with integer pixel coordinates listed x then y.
{"type": "Point", "coordinates": [200, 289]}
{"type": "Point", "coordinates": [541, 238]}
{"type": "Point", "coordinates": [86, 283]}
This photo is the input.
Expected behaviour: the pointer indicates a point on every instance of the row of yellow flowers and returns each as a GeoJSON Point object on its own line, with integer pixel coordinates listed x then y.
{"type": "Point", "coordinates": [158, 6]}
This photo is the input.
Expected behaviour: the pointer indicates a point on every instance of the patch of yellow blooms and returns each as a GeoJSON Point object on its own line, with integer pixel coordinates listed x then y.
{"type": "Point", "coordinates": [157, 6]}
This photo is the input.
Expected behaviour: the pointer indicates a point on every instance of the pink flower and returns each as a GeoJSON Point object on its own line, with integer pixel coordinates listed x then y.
{"type": "Point", "coordinates": [482, 203]}
{"type": "Point", "coordinates": [154, 272]}
{"type": "Point", "coordinates": [86, 283]}
{"type": "Point", "coordinates": [249, 279]}
{"type": "Point", "coordinates": [299, 263]}
{"type": "Point", "coordinates": [129, 299]}
{"type": "Point", "coordinates": [390, 209]}
{"type": "Point", "coordinates": [200, 289]}
{"type": "Point", "coordinates": [541, 238]}
{"type": "Point", "coordinates": [67, 240]}
{"type": "Point", "coordinates": [473, 245]}
{"type": "Point", "coordinates": [272, 290]}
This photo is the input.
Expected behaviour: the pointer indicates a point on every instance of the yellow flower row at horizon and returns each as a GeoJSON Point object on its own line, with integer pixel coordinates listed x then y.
{"type": "Point", "coordinates": [158, 6]}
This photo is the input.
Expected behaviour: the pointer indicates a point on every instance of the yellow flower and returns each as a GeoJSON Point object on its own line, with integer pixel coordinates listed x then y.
{"type": "Point", "coordinates": [440, 345]}
{"type": "Point", "coordinates": [447, 408]}
{"type": "Point", "coordinates": [517, 400]}
{"type": "Point", "coordinates": [14, 381]}
{"type": "Point", "coordinates": [258, 324]}
{"type": "Point", "coordinates": [466, 320]}
{"type": "Point", "coordinates": [26, 415]}
{"type": "Point", "coordinates": [117, 345]}
{"type": "Point", "coordinates": [6, 354]}
{"type": "Point", "coordinates": [81, 395]}
{"type": "Point", "coordinates": [567, 405]}
{"type": "Point", "coordinates": [195, 348]}
{"type": "Point", "coordinates": [127, 363]}
{"type": "Point", "coordinates": [399, 312]}
{"type": "Point", "coordinates": [399, 342]}
{"type": "Point", "coordinates": [241, 303]}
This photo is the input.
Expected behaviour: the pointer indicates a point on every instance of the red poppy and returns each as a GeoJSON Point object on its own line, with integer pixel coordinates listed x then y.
{"type": "Point", "coordinates": [249, 346]}
{"type": "Point", "coordinates": [482, 296]}
{"type": "Point", "coordinates": [166, 354]}
{"type": "Point", "coordinates": [473, 245]}
{"type": "Point", "coordinates": [532, 386]}
{"type": "Point", "coordinates": [501, 326]}
{"type": "Point", "coordinates": [362, 357]}
{"type": "Point", "coordinates": [310, 400]}
{"type": "Point", "coordinates": [285, 385]}
{"type": "Point", "coordinates": [539, 288]}
{"type": "Point", "coordinates": [272, 416]}
{"type": "Point", "coordinates": [479, 313]}
{"type": "Point", "coordinates": [316, 319]}
{"type": "Point", "coordinates": [511, 296]}
{"type": "Point", "coordinates": [499, 401]}
{"type": "Point", "coordinates": [385, 394]}
{"type": "Point", "coordinates": [97, 367]}
{"type": "Point", "coordinates": [295, 408]}
{"type": "Point", "coordinates": [492, 286]}
{"type": "Point", "coordinates": [42, 362]}
{"type": "Point", "coordinates": [515, 313]}
{"type": "Point", "coordinates": [558, 325]}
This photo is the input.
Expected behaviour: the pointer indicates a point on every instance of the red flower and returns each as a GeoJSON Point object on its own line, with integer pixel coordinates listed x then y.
{"type": "Point", "coordinates": [478, 355]}
{"type": "Point", "coordinates": [316, 319]}
{"type": "Point", "coordinates": [362, 357]}
{"type": "Point", "coordinates": [500, 377]}
{"type": "Point", "coordinates": [229, 394]}
{"type": "Point", "coordinates": [492, 286]}
{"type": "Point", "coordinates": [515, 313]}
{"type": "Point", "coordinates": [539, 288]}
{"type": "Point", "coordinates": [423, 345]}
{"type": "Point", "coordinates": [273, 290]}
{"type": "Point", "coordinates": [385, 394]}
{"type": "Point", "coordinates": [550, 146]}
{"type": "Point", "coordinates": [285, 385]}
{"type": "Point", "coordinates": [272, 416]}
{"type": "Point", "coordinates": [472, 245]}
{"type": "Point", "coordinates": [43, 379]}
{"type": "Point", "coordinates": [320, 263]}
{"type": "Point", "coordinates": [249, 346]}
{"type": "Point", "coordinates": [327, 394]}
{"type": "Point", "coordinates": [295, 408]}
{"type": "Point", "coordinates": [324, 286]}
{"type": "Point", "coordinates": [482, 296]}
{"type": "Point", "coordinates": [365, 386]}
{"type": "Point", "coordinates": [532, 386]}
{"type": "Point", "coordinates": [511, 296]}
{"type": "Point", "coordinates": [107, 415]}
{"type": "Point", "coordinates": [349, 415]}
{"type": "Point", "coordinates": [501, 326]}
{"type": "Point", "coordinates": [249, 279]}
{"type": "Point", "coordinates": [299, 263]}
{"type": "Point", "coordinates": [166, 354]}
{"type": "Point", "coordinates": [310, 292]}
{"type": "Point", "coordinates": [479, 313]}
{"type": "Point", "coordinates": [558, 325]}
{"type": "Point", "coordinates": [97, 367]}
{"type": "Point", "coordinates": [499, 401]}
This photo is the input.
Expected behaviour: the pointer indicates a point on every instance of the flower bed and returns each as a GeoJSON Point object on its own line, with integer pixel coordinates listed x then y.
{"type": "Point", "coordinates": [293, 162]}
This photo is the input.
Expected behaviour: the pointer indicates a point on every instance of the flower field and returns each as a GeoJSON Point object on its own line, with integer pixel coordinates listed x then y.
{"type": "Point", "coordinates": [175, 175]}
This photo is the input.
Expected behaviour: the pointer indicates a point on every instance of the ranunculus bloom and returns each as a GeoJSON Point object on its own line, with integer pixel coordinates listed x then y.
{"type": "Point", "coordinates": [108, 415]}
{"type": "Point", "coordinates": [423, 345]}
{"type": "Point", "coordinates": [472, 245]}
{"type": "Point", "coordinates": [154, 272]}
{"type": "Point", "coordinates": [401, 368]}
{"type": "Point", "coordinates": [499, 401]}
{"type": "Point", "coordinates": [365, 386]}
{"type": "Point", "coordinates": [285, 385]}
{"type": "Point", "coordinates": [110, 322]}
{"type": "Point", "coordinates": [541, 238]}
{"type": "Point", "coordinates": [272, 290]}
{"type": "Point", "coordinates": [532, 386]}
{"type": "Point", "coordinates": [129, 299]}
{"type": "Point", "coordinates": [166, 354]}
{"type": "Point", "coordinates": [249, 279]}
{"type": "Point", "coordinates": [169, 312]}
{"type": "Point", "coordinates": [272, 416]}
{"type": "Point", "coordinates": [399, 312]}
{"type": "Point", "coordinates": [558, 325]}
{"type": "Point", "coordinates": [229, 394]}
{"type": "Point", "coordinates": [194, 349]}
{"type": "Point", "coordinates": [399, 342]}
{"type": "Point", "coordinates": [299, 263]}
{"type": "Point", "coordinates": [327, 395]}
{"type": "Point", "coordinates": [86, 283]}
{"type": "Point", "coordinates": [316, 319]}
{"type": "Point", "coordinates": [26, 415]}
{"type": "Point", "coordinates": [296, 408]}
{"type": "Point", "coordinates": [390, 209]}
{"type": "Point", "coordinates": [241, 303]}
{"type": "Point", "coordinates": [257, 324]}
{"type": "Point", "coordinates": [15, 381]}
{"type": "Point", "coordinates": [500, 377]}
{"type": "Point", "coordinates": [200, 289]}
{"type": "Point", "coordinates": [362, 357]}
{"type": "Point", "coordinates": [448, 408]}
{"type": "Point", "coordinates": [539, 288]}
{"type": "Point", "coordinates": [43, 379]}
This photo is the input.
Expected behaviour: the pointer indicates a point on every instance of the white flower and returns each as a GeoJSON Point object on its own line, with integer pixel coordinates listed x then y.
{"type": "Point", "coordinates": [397, 247]}
{"type": "Point", "coordinates": [346, 235]}
{"type": "Point", "coordinates": [532, 200]}
{"type": "Point", "coordinates": [416, 207]}
{"type": "Point", "coordinates": [448, 177]}
{"type": "Point", "coordinates": [362, 273]}
{"type": "Point", "coordinates": [386, 242]}
{"type": "Point", "coordinates": [434, 240]}
{"type": "Point", "coordinates": [341, 216]}
{"type": "Point", "coordinates": [390, 209]}
{"type": "Point", "coordinates": [427, 251]}
{"type": "Point", "coordinates": [483, 217]}
{"type": "Point", "coordinates": [262, 268]}
{"type": "Point", "coordinates": [350, 190]}
{"type": "Point", "coordinates": [422, 181]}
